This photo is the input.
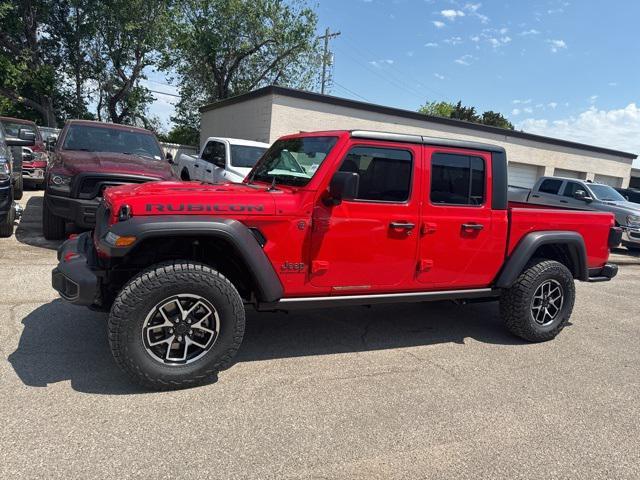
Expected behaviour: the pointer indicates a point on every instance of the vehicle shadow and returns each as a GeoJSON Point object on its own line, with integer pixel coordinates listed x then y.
{"type": "Point", "coordinates": [29, 229]}
{"type": "Point", "coordinates": [62, 342]}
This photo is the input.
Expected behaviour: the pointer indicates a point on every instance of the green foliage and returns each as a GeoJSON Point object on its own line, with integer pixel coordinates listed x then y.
{"type": "Point", "coordinates": [468, 114]}
{"type": "Point", "coordinates": [184, 135]}
{"type": "Point", "coordinates": [221, 48]}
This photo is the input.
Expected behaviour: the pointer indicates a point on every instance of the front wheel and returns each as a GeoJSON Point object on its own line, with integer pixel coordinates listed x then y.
{"type": "Point", "coordinates": [18, 188]}
{"type": "Point", "coordinates": [538, 305]}
{"type": "Point", "coordinates": [6, 226]}
{"type": "Point", "coordinates": [176, 325]}
{"type": "Point", "coordinates": [53, 227]}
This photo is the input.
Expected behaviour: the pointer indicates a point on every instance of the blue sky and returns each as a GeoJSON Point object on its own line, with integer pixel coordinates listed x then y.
{"type": "Point", "coordinates": [568, 69]}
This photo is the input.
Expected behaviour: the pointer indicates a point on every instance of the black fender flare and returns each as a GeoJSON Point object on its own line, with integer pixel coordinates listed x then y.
{"type": "Point", "coordinates": [527, 246]}
{"type": "Point", "coordinates": [232, 231]}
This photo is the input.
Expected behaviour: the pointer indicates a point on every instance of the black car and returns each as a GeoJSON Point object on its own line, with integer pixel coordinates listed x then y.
{"type": "Point", "coordinates": [7, 179]}
{"type": "Point", "coordinates": [631, 194]}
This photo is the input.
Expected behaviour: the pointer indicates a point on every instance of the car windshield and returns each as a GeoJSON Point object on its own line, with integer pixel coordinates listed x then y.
{"type": "Point", "coordinates": [605, 193]}
{"type": "Point", "coordinates": [104, 139]}
{"type": "Point", "coordinates": [245, 156]}
{"type": "Point", "coordinates": [294, 161]}
{"type": "Point", "coordinates": [13, 128]}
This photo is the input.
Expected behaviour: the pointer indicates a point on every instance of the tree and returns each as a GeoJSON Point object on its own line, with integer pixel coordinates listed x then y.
{"type": "Point", "coordinates": [221, 48]}
{"type": "Point", "coordinates": [468, 114]}
{"type": "Point", "coordinates": [496, 119]}
{"type": "Point", "coordinates": [130, 36]}
{"type": "Point", "coordinates": [27, 59]}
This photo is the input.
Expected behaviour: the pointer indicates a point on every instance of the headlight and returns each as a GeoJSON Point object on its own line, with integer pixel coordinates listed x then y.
{"type": "Point", "coordinates": [5, 169]}
{"type": "Point", "coordinates": [60, 183]}
{"type": "Point", "coordinates": [633, 220]}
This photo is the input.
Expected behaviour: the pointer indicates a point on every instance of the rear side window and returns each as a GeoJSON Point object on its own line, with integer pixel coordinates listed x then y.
{"type": "Point", "coordinates": [457, 179]}
{"type": "Point", "coordinates": [385, 173]}
{"type": "Point", "coordinates": [550, 186]}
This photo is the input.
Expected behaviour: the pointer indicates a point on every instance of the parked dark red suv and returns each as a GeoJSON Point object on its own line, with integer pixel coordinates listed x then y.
{"type": "Point", "coordinates": [89, 157]}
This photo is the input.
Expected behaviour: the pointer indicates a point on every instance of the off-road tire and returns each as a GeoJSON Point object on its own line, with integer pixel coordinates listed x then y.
{"type": "Point", "coordinates": [516, 302]}
{"type": "Point", "coordinates": [6, 227]}
{"type": "Point", "coordinates": [18, 189]}
{"type": "Point", "coordinates": [53, 227]}
{"type": "Point", "coordinates": [633, 248]}
{"type": "Point", "coordinates": [146, 290]}
{"type": "Point", "coordinates": [184, 175]}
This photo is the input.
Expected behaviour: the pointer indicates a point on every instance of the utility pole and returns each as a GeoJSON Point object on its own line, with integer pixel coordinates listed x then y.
{"type": "Point", "coordinates": [325, 56]}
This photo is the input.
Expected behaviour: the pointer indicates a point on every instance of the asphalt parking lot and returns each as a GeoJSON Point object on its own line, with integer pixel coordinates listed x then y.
{"type": "Point", "coordinates": [415, 391]}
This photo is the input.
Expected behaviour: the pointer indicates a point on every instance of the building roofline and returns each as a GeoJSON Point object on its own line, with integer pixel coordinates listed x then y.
{"type": "Point", "coordinates": [372, 107]}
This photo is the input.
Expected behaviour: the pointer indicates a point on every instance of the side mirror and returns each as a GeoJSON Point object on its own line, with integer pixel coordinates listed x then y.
{"type": "Point", "coordinates": [51, 142]}
{"type": "Point", "coordinates": [27, 154]}
{"type": "Point", "coordinates": [169, 158]}
{"type": "Point", "coordinates": [343, 186]}
{"type": "Point", "coordinates": [26, 134]}
{"type": "Point", "coordinates": [218, 162]}
{"type": "Point", "coordinates": [582, 195]}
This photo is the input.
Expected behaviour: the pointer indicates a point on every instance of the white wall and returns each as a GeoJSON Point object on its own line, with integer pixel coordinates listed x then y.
{"type": "Point", "coordinates": [292, 115]}
{"type": "Point", "coordinates": [248, 120]}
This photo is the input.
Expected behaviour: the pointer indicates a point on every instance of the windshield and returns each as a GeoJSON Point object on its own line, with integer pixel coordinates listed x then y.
{"type": "Point", "coordinates": [294, 161]}
{"type": "Point", "coordinates": [244, 156]}
{"type": "Point", "coordinates": [104, 139]}
{"type": "Point", "coordinates": [13, 128]}
{"type": "Point", "coordinates": [605, 193]}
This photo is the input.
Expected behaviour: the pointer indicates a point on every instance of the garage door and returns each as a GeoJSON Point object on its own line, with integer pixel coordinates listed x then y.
{"type": "Point", "coordinates": [561, 172]}
{"type": "Point", "coordinates": [523, 175]}
{"type": "Point", "coordinates": [608, 180]}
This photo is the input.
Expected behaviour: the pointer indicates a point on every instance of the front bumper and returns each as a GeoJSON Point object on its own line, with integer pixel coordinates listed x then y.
{"type": "Point", "coordinates": [631, 236]}
{"type": "Point", "coordinates": [33, 175]}
{"type": "Point", "coordinates": [603, 274]}
{"type": "Point", "coordinates": [76, 210]}
{"type": "Point", "coordinates": [73, 278]}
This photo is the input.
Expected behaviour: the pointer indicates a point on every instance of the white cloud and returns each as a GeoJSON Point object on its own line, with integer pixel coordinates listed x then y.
{"type": "Point", "coordinates": [438, 23]}
{"type": "Point", "coordinates": [431, 45]}
{"type": "Point", "coordinates": [526, 33]}
{"type": "Point", "coordinates": [503, 30]}
{"type": "Point", "coordinates": [593, 98]}
{"type": "Point", "coordinates": [464, 60]}
{"type": "Point", "coordinates": [438, 76]}
{"type": "Point", "coordinates": [557, 45]}
{"type": "Point", "coordinates": [453, 40]}
{"type": "Point", "coordinates": [552, 105]}
{"type": "Point", "coordinates": [410, 53]}
{"type": "Point", "coordinates": [515, 112]}
{"type": "Point", "coordinates": [616, 128]}
{"type": "Point", "coordinates": [473, 7]}
{"type": "Point", "coordinates": [528, 110]}
{"type": "Point", "coordinates": [521, 102]}
{"type": "Point", "coordinates": [475, 38]}
{"type": "Point", "coordinates": [613, 84]}
{"type": "Point", "coordinates": [381, 63]}
{"type": "Point", "coordinates": [452, 14]}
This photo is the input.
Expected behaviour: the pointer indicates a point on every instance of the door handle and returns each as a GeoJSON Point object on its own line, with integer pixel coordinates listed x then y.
{"type": "Point", "coordinates": [403, 225]}
{"type": "Point", "coordinates": [472, 226]}
{"type": "Point", "coordinates": [208, 171]}
{"type": "Point", "coordinates": [535, 196]}
{"type": "Point", "coordinates": [563, 201]}
{"type": "Point", "coordinates": [196, 166]}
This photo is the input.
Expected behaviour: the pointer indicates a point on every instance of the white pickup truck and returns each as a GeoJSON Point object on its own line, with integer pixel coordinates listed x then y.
{"type": "Point", "coordinates": [221, 160]}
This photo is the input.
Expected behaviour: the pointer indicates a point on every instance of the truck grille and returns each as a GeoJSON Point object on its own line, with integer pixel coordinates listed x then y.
{"type": "Point", "coordinates": [93, 186]}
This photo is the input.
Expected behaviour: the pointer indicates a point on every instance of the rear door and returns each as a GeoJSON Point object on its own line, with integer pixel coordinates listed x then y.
{"type": "Point", "coordinates": [370, 241]}
{"type": "Point", "coordinates": [462, 241]}
{"type": "Point", "coordinates": [548, 192]}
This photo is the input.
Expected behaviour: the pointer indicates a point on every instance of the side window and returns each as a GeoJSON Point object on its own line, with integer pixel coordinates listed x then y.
{"type": "Point", "coordinates": [207, 151]}
{"type": "Point", "coordinates": [551, 186]}
{"type": "Point", "coordinates": [457, 179]}
{"type": "Point", "coordinates": [570, 189]}
{"type": "Point", "coordinates": [385, 173]}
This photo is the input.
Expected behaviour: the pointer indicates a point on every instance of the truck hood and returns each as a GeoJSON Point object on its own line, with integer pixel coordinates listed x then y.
{"type": "Point", "coordinates": [190, 198]}
{"type": "Point", "coordinates": [624, 205]}
{"type": "Point", "coordinates": [109, 162]}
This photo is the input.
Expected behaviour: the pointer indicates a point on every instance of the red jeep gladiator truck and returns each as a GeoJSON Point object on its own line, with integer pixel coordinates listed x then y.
{"type": "Point", "coordinates": [89, 157]}
{"type": "Point", "coordinates": [324, 219]}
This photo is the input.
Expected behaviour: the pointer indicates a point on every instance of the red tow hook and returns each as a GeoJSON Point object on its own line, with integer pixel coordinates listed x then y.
{"type": "Point", "coordinates": [70, 256]}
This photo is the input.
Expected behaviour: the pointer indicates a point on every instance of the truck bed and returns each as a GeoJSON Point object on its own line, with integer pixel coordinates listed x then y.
{"type": "Point", "coordinates": [593, 226]}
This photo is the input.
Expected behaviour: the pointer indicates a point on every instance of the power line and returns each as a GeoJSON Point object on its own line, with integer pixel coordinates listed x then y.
{"type": "Point", "coordinates": [351, 92]}
{"type": "Point", "coordinates": [165, 93]}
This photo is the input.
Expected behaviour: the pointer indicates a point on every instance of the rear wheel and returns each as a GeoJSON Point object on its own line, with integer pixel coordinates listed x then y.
{"type": "Point", "coordinates": [53, 227]}
{"type": "Point", "coordinates": [6, 227]}
{"type": "Point", "coordinates": [538, 305]}
{"type": "Point", "coordinates": [176, 325]}
{"type": "Point", "coordinates": [18, 188]}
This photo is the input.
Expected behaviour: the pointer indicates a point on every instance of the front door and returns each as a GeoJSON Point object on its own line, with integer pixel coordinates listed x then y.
{"type": "Point", "coordinates": [462, 239]}
{"type": "Point", "coordinates": [371, 240]}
